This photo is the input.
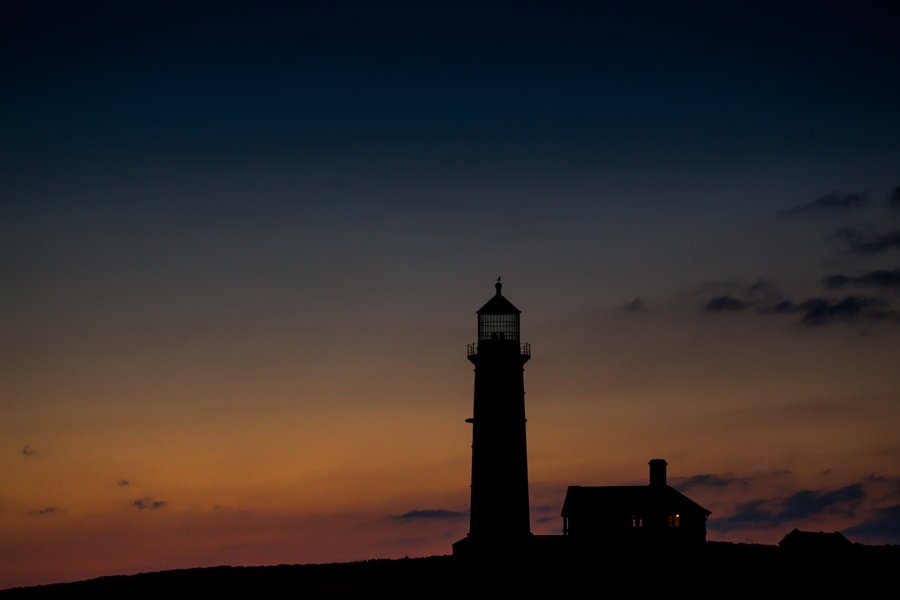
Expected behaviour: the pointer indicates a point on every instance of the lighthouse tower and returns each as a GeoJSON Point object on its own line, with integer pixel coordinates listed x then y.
{"type": "Point", "coordinates": [499, 512]}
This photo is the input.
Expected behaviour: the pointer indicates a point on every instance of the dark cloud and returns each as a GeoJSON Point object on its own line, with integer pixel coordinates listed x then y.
{"type": "Point", "coordinates": [149, 504]}
{"type": "Point", "coordinates": [767, 513]}
{"type": "Point", "coordinates": [821, 311]}
{"type": "Point", "coordinates": [892, 483]}
{"type": "Point", "coordinates": [806, 503]}
{"type": "Point", "coordinates": [781, 472]}
{"type": "Point", "coordinates": [736, 296]}
{"type": "Point", "coordinates": [635, 305]}
{"type": "Point", "coordinates": [765, 289]}
{"type": "Point", "coordinates": [813, 311]}
{"type": "Point", "coordinates": [710, 480]}
{"type": "Point", "coordinates": [894, 198]}
{"type": "Point", "coordinates": [725, 304]}
{"type": "Point", "coordinates": [882, 527]}
{"type": "Point", "coordinates": [27, 450]}
{"type": "Point", "coordinates": [884, 479]}
{"type": "Point", "coordinates": [753, 514]}
{"type": "Point", "coordinates": [50, 510]}
{"type": "Point", "coordinates": [863, 242]}
{"type": "Point", "coordinates": [879, 278]}
{"type": "Point", "coordinates": [784, 306]}
{"type": "Point", "coordinates": [123, 482]}
{"type": "Point", "coordinates": [829, 202]}
{"type": "Point", "coordinates": [437, 513]}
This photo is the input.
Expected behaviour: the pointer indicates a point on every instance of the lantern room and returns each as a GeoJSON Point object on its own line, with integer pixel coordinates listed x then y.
{"type": "Point", "coordinates": [498, 319]}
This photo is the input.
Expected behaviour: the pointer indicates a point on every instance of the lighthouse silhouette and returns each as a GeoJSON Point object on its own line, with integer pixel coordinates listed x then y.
{"type": "Point", "coordinates": [499, 509]}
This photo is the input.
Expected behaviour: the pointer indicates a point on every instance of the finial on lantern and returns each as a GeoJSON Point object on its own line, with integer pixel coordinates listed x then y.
{"type": "Point", "coordinates": [498, 285]}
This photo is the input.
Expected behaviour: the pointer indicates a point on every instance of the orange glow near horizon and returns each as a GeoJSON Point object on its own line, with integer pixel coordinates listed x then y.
{"type": "Point", "coordinates": [121, 487]}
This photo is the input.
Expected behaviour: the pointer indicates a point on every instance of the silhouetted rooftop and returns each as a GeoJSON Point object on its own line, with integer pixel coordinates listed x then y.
{"type": "Point", "coordinates": [498, 305]}
{"type": "Point", "coordinates": [814, 539]}
{"type": "Point", "coordinates": [628, 498]}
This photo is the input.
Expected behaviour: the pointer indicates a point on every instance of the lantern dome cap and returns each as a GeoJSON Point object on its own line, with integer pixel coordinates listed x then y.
{"type": "Point", "coordinates": [498, 305]}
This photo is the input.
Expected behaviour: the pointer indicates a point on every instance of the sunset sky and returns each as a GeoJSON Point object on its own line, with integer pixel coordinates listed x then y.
{"type": "Point", "coordinates": [242, 246]}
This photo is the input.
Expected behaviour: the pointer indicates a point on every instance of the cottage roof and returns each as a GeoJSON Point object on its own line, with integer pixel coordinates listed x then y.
{"type": "Point", "coordinates": [630, 499]}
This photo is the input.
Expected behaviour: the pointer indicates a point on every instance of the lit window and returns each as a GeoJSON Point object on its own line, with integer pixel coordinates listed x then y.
{"type": "Point", "coordinates": [636, 521]}
{"type": "Point", "coordinates": [675, 521]}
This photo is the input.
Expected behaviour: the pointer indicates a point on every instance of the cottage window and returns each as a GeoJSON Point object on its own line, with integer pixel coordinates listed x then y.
{"type": "Point", "coordinates": [674, 520]}
{"type": "Point", "coordinates": [636, 521]}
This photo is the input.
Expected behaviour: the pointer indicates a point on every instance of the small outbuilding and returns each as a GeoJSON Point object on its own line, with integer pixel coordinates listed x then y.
{"type": "Point", "coordinates": [815, 540]}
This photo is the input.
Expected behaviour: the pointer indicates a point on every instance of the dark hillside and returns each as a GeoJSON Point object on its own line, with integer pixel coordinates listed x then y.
{"type": "Point", "coordinates": [717, 570]}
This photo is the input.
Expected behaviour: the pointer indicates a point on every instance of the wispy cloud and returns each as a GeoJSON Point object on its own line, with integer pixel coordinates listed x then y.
{"type": "Point", "coordinates": [888, 488]}
{"type": "Point", "coordinates": [865, 242]}
{"type": "Point", "coordinates": [755, 514]}
{"type": "Point", "coordinates": [547, 519]}
{"type": "Point", "coordinates": [635, 305]}
{"type": "Point", "coordinates": [879, 278]}
{"type": "Point", "coordinates": [725, 480]}
{"type": "Point", "coordinates": [883, 526]}
{"type": "Point", "coordinates": [829, 202]}
{"type": "Point", "coordinates": [766, 513]}
{"type": "Point", "coordinates": [821, 311]}
{"type": "Point", "coordinates": [123, 482]}
{"type": "Point", "coordinates": [41, 512]}
{"type": "Point", "coordinates": [894, 198]}
{"type": "Point", "coordinates": [814, 311]}
{"type": "Point", "coordinates": [806, 503]}
{"type": "Point", "coordinates": [436, 513]}
{"type": "Point", "coordinates": [27, 450]}
{"type": "Point", "coordinates": [880, 524]}
{"type": "Point", "coordinates": [764, 290]}
{"type": "Point", "coordinates": [737, 296]}
{"type": "Point", "coordinates": [709, 480]}
{"type": "Point", "coordinates": [724, 304]}
{"type": "Point", "coordinates": [149, 504]}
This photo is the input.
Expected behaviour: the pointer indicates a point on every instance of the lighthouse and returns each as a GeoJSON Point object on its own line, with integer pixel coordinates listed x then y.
{"type": "Point", "coordinates": [499, 509]}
